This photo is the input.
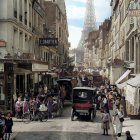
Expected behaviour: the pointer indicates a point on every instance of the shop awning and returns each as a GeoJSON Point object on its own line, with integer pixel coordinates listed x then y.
{"type": "Point", "coordinates": [135, 82]}
{"type": "Point", "coordinates": [121, 86]}
{"type": "Point", "coordinates": [123, 76]}
{"type": "Point", "coordinates": [22, 71]}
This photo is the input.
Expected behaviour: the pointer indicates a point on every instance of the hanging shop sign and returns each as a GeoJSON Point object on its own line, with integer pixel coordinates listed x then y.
{"type": "Point", "coordinates": [134, 13]}
{"type": "Point", "coordinates": [48, 41]}
{"type": "Point", "coordinates": [37, 7]}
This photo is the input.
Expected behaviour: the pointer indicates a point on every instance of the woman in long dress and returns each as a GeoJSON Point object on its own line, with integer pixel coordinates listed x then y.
{"type": "Point", "coordinates": [25, 106]}
{"type": "Point", "coordinates": [18, 107]}
{"type": "Point", "coordinates": [50, 106]}
{"type": "Point", "coordinates": [118, 123]}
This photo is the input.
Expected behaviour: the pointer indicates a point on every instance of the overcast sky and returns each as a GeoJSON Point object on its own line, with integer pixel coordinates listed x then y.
{"type": "Point", "coordinates": [76, 13]}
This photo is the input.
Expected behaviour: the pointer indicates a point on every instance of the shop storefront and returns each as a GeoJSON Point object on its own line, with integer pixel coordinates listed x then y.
{"type": "Point", "coordinates": [17, 78]}
{"type": "Point", "coordinates": [133, 96]}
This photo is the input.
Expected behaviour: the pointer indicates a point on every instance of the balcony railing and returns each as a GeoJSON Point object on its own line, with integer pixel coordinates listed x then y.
{"type": "Point", "coordinates": [26, 56]}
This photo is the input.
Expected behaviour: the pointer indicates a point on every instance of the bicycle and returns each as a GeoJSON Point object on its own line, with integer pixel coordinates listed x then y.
{"type": "Point", "coordinates": [43, 116]}
{"type": "Point", "coordinates": [26, 117]}
{"type": "Point", "coordinates": [43, 113]}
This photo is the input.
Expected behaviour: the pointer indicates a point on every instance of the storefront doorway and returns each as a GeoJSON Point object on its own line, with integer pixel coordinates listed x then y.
{"type": "Point", "coordinates": [20, 85]}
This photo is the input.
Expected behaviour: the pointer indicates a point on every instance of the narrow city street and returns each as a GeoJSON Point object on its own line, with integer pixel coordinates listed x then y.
{"type": "Point", "coordinates": [61, 129]}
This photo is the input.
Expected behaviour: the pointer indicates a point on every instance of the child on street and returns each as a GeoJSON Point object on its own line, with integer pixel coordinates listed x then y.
{"type": "Point", "coordinates": [105, 122]}
{"type": "Point", "coordinates": [8, 126]}
{"type": "Point", "coordinates": [128, 136]}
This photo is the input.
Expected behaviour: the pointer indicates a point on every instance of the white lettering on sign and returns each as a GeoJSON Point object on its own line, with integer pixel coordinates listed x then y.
{"type": "Point", "coordinates": [48, 41]}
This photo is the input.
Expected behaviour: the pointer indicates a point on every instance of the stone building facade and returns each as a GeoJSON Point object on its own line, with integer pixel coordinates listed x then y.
{"type": "Point", "coordinates": [21, 26]}
{"type": "Point", "coordinates": [118, 47]}
{"type": "Point", "coordinates": [23, 60]}
{"type": "Point", "coordinates": [56, 23]}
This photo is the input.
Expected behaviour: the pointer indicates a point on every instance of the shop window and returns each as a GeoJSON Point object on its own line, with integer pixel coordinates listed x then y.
{"type": "Point", "coordinates": [15, 8]}
{"type": "Point", "coordinates": [46, 56]}
{"type": "Point", "coordinates": [30, 14]}
{"type": "Point", "coordinates": [20, 11]}
{"type": "Point", "coordinates": [25, 13]}
{"type": "Point", "coordinates": [59, 32]}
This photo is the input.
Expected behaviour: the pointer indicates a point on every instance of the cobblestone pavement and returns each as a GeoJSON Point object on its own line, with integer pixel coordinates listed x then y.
{"type": "Point", "coordinates": [61, 129]}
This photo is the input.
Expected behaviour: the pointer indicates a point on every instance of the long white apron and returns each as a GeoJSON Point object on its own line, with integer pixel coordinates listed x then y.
{"type": "Point", "coordinates": [118, 123]}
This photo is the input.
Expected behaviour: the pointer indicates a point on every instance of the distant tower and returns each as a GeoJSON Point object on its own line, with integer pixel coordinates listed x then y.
{"type": "Point", "coordinates": [89, 25]}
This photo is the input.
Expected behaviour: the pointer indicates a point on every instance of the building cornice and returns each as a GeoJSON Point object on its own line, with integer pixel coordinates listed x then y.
{"type": "Point", "coordinates": [22, 61]}
{"type": "Point", "coordinates": [20, 25]}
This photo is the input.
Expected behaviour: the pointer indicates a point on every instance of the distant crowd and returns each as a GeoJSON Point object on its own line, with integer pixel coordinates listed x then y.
{"type": "Point", "coordinates": [108, 98]}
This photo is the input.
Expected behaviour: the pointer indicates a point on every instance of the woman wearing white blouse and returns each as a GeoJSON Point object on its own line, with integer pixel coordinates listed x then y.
{"type": "Point", "coordinates": [118, 122]}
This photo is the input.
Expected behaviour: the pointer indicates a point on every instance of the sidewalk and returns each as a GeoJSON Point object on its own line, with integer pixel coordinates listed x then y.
{"type": "Point", "coordinates": [133, 126]}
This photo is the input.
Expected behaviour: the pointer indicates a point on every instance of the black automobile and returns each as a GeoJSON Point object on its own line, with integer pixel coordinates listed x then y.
{"type": "Point", "coordinates": [84, 102]}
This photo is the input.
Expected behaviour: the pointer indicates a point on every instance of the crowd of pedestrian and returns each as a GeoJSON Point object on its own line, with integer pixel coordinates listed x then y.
{"type": "Point", "coordinates": [35, 103]}
{"type": "Point", "coordinates": [6, 124]}
{"type": "Point", "coordinates": [108, 98]}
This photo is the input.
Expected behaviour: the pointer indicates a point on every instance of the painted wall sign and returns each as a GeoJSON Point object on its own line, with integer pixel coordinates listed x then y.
{"type": "Point", "coordinates": [134, 13]}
